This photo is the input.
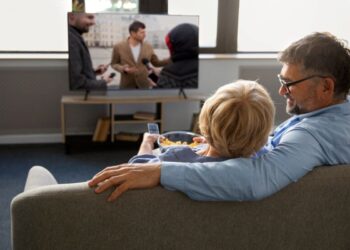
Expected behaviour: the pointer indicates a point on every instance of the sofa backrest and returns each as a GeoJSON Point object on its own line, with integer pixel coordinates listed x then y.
{"type": "Point", "coordinates": [312, 213]}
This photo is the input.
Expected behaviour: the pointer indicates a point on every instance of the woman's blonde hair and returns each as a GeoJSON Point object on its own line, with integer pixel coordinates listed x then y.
{"type": "Point", "coordinates": [237, 119]}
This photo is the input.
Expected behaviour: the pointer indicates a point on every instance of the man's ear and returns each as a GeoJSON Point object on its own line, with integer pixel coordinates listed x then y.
{"type": "Point", "coordinates": [71, 18]}
{"type": "Point", "coordinates": [328, 85]}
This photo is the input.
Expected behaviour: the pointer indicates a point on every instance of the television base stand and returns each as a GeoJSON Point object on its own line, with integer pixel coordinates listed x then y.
{"type": "Point", "coordinates": [87, 92]}
{"type": "Point", "coordinates": [182, 92]}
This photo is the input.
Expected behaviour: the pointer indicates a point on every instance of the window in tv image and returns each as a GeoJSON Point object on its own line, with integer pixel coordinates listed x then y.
{"type": "Point", "coordinates": [112, 51]}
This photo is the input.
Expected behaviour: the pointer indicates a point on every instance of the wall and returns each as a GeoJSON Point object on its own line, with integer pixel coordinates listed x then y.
{"type": "Point", "coordinates": [31, 91]}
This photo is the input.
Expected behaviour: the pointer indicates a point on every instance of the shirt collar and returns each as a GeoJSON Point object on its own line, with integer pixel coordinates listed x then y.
{"type": "Point", "coordinates": [343, 107]}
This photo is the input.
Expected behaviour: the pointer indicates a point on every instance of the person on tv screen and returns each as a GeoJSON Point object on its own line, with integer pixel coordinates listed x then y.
{"type": "Point", "coordinates": [235, 122]}
{"type": "Point", "coordinates": [182, 42]}
{"type": "Point", "coordinates": [81, 72]}
{"type": "Point", "coordinates": [132, 58]}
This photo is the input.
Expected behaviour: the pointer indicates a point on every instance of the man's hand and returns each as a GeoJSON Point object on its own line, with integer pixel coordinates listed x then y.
{"type": "Point", "coordinates": [156, 70]}
{"type": "Point", "coordinates": [107, 78]}
{"type": "Point", "coordinates": [151, 83]}
{"type": "Point", "coordinates": [129, 69]}
{"type": "Point", "coordinates": [126, 176]}
{"type": "Point", "coordinates": [101, 69]}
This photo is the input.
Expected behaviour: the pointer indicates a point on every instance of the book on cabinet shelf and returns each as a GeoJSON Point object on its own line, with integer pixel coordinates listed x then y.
{"type": "Point", "coordinates": [127, 136]}
{"type": "Point", "coordinates": [102, 129]}
{"type": "Point", "coordinates": [141, 115]}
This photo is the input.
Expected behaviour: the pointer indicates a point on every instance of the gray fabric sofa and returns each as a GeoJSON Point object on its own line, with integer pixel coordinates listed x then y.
{"type": "Point", "coordinates": [313, 213]}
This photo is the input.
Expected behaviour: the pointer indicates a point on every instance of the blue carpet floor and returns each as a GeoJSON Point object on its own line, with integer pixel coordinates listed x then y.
{"type": "Point", "coordinates": [16, 160]}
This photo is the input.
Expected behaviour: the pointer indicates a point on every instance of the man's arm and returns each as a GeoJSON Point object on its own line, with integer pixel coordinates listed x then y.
{"type": "Point", "coordinates": [236, 179]}
{"type": "Point", "coordinates": [78, 79]}
{"type": "Point", "coordinates": [157, 62]}
{"type": "Point", "coordinates": [148, 52]}
{"type": "Point", "coordinates": [246, 178]}
{"type": "Point", "coordinates": [116, 60]}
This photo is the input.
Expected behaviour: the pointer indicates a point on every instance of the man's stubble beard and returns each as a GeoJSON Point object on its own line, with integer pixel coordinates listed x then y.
{"type": "Point", "coordinates": [295, 110]}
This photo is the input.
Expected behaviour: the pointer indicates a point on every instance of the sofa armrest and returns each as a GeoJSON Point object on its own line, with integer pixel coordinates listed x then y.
{"type": "Point", "coordinates": [38, 177]}
{"type": "Point", "coordinates": [310, 214]}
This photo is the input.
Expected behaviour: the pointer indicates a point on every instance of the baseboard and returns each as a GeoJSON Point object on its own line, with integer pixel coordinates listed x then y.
{"type": "Point", "coordinates": [30, 139]}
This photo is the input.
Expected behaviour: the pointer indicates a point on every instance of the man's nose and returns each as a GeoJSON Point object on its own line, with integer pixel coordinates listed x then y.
{"type": "Point", "coordinates": [282, 90]}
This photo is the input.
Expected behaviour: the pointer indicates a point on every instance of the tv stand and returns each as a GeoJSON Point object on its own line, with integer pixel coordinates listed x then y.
{"type": "Point", "coordinates": [87, 92]}
{"type": "Point", "coordinates": [112, 101]}
{"type": "Point", "coordinates": [182, 92]}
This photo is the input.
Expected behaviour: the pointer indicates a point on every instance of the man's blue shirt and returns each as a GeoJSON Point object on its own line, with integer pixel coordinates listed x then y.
{"type": "Point", "coordinates": [298, 145]}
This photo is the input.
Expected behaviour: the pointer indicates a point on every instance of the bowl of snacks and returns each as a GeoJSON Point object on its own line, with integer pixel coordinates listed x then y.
{"type": "Point", "coordinates": [176, 139]}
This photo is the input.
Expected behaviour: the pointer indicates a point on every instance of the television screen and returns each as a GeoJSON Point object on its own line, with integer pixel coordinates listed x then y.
{"type": "Point", "coordinates": [116, 51]}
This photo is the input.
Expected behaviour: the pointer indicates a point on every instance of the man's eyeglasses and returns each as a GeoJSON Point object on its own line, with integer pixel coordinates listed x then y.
{"type": "Point", "coordinates": [288, 84]}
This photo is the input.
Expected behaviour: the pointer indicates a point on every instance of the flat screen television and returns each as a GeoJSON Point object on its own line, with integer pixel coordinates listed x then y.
{"type": "Point", "coordinates": [167, 57]}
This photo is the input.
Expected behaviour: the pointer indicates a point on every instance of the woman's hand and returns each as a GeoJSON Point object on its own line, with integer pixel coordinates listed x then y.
{"type": "Point", "coordinates": [199, 139]}
{"type": "Point", "coordinates": [147, 144]}
{"type": "Point", "coordinates": [150, 138]}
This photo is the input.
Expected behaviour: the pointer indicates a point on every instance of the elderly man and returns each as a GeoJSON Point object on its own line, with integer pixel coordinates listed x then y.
{"type": "Point", "coordinates": [315, 79]}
